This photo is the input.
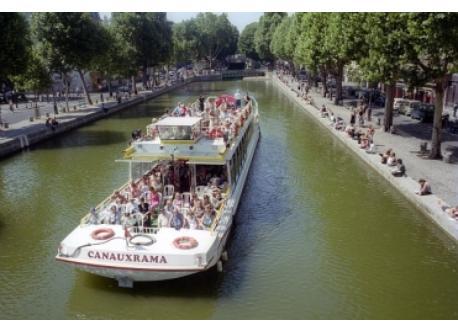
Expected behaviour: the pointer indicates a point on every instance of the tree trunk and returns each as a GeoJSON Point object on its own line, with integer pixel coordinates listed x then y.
{"type": "Point", "coordinates": [324, 84]}
{"type": "Point", "coordinates": [436, 139]}
{"type": "Point", "coordinates": [37, 112]}
{"type": "Point", "coordinates": [56, 111]}
{"type": "Point", "coordinates": [88, 96]}
{"type": "Point", "coordinates": [67, 91]}
{"type": "Point", "coordinates": [390, 91]}
{"type": "Point", "coordinates": [110, 88]}
{"type": "Point", "coordinates": [339, 78]}
{"type": "Point", "coordinates": [145, 77]}
{"type": "Point", "coordinates": [134, 86]}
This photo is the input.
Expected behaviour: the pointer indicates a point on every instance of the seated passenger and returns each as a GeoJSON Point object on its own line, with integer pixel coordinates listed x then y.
{"type": "Point", "coordinates": [177, 200]}
{"type": "Point", "coordinates": [217, 199]}
{"type": "Point", "coordinates": [134, 190]}
{"type": "Point", "coordinates": [129, 219]}
{"type": "Point", "coordinates": [191, 221]}
{"type": "Point", "coordinates": [143, 208]}
{"type": "Point", "coordinates": [401, 169]}
{"type": "Point", "coordinates": [208, 217]}
{"type": "Point", "coordinates": [177, 220]}
{"type": "Point", "coordinates": [114, 217]}
{"type": "Point", "coordinates": [425, 188]}
{"type": "Point", "coordinates": [116, 195]}
{"type": "Point", "coordinates": [93, 217]}
{"type": "Point", "coordinates": [154, 198]}
{"type": "Point", "coordinates": [169, 207]}
{"type": "Point", "coordinates": [199, 209]}
{"type": "Point", "coordinates": [156, 181]}
{"type": "Point", "coordinates": [163, 219]}
{"type": "Point", "coordinates": [131, 207]}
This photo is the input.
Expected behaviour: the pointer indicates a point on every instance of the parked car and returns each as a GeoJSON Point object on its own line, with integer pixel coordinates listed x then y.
{"type": "Point", "coordinates": [405, 106]}
{"type": "Point", "coordinates": [424, 112]}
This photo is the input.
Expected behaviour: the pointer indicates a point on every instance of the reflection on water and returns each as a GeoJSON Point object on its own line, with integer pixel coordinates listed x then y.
{"type": "Point", "coordinates": [317, 235]}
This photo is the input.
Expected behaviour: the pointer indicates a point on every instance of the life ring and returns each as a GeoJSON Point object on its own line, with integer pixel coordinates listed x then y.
{"type": "Point", "coordinates": [102, 234]}
{"type": "Point", "coordinates": [185, 243]}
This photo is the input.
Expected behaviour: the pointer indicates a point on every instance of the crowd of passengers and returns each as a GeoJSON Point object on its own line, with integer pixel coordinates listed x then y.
{"type": "Point", "coordinates": [158, 199]}
{"type": "Point", "coordinates": [219, 121]}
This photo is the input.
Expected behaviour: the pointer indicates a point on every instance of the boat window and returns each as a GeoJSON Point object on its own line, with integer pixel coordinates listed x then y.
{"type": "Point", "coordinates": [175, 132]}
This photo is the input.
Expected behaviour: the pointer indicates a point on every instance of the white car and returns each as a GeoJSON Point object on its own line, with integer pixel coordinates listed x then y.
{"type": "Point", "coordinates": [405, 106]}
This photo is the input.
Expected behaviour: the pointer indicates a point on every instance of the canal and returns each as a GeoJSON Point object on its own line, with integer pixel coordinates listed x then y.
{"type": "Point", "coordinates": [318, 234]}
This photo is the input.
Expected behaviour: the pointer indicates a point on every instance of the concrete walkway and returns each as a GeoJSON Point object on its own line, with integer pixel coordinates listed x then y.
{"type": "Point", "coordinates": [442, 176]}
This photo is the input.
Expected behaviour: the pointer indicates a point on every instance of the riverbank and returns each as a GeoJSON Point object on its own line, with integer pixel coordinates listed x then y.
{"type": "Point", "coordinates": [28, 132]}
{"type": "Point", "coordinates": [437, 172]}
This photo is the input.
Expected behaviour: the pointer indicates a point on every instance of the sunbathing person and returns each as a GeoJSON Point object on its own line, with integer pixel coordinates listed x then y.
{"type": "Point", "coordinates": [451, 211]}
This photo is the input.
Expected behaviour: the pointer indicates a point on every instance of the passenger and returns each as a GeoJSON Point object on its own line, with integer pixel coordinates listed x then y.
{"type": "Point", "coordinates": [201, 103]}
{"type": "Point", "coordinates": [143, 208]}
{"type": "Point", "coordinates": [156, 181]}
{"type": "Point", "coordinates": [93, 217]}
{"type": "Point", "coordinates": [176, 111]}
{"type": "Point", "coordinates": [199, 209]}
{"type": "Point", "coordinates": [191, 221]}
{"type": "Point", "coordinates": [134, 190]}
{"type": "Point", "coordinates": [177, 220]}
{"type": "Point", "coordinates": [217, 199]}
{"type": "Point", "coordinates": [178, 200]}
{"type": "Point", "coordinates": [154, 198]}
{"type": "Point", "coordinates": [169, 207]}
{"type": "Point", "coordinates": [114, 217]}
{"type": "Point", "coordinates": [129, 219]}
{"type": "Point", "coordinates": [207, 201]}
{"type": "Point", "coordinates": [401, 169]}
{"type": "Point", "coordinates": [208, 217]}
{"type": "Point", "coordinates": [425, 188]}
{"type": "Point", "coordinates": [163, 219]}
{"type": "Point", "coordinates": [116, 195]}
{"type": "Point", "coordinates": [131, 207]}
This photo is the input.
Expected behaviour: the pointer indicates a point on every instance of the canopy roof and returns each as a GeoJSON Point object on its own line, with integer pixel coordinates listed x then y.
{"type": "Point", "coordinates": [178, 121]}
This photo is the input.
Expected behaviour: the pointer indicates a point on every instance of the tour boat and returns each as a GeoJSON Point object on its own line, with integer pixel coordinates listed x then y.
{"type": "Point", "coordinates": [193, 156]}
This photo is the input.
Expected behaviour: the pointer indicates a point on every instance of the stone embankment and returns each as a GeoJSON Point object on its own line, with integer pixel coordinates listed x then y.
{"type": "Point", "coordinates": [406, 185]}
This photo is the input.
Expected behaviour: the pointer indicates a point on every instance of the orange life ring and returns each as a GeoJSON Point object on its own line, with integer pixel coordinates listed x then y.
{"type": "Point", "coordinates": [185, 243]}
{"type": "Point", "coordinates": [102, 233]}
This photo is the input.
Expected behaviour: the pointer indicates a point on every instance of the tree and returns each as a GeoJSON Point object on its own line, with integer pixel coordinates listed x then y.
{"type": "Point", "coordinates": [145, 40]}
{"type": "Point", "coordinates": [14, 44]}
{"type": "Point", "coordinates": [217, 37]}
{"type": "Point", "coordinates": [386, 57]}
{"type": "Point", "coordinates": [345, 41]}
{"type": "Point", "coordinates": [310, 50]}
{"type": "Point", "coordinates": [246, 41]}
{"type": "Point", "coordinates": [185, 42]}
{"type": "Point", "coordinates": [36, 79]}
{"type": "Point", "coordinates": [433, 54]}
{"type": "Point", "coordinates": [264, 33]}
{"type": "Point", "coordinates": [69, 41]}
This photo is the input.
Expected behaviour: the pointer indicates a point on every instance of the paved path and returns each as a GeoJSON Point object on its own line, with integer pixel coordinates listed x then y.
{"type": "Point", "coordinates": [437, 172]}
{"type": "Point", "coordinates": [410, 133]}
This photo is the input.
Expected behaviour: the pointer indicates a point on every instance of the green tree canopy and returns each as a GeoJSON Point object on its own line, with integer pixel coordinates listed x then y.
{"type": "Point", "coordinates": [69, 41]}
{"type": "Point", "coordinates": [433, 55]}
{"type": "Point", "coordinates": [145, 39]}
{"type": "Point", "coordinates": [246, 41]}
{"type": "Point", "coordinates": [264, 33]}
{"type": "Point", "coordinates": [14, 45]}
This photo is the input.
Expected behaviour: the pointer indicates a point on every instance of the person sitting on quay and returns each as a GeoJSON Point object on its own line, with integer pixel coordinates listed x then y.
{"type": "Point", "coordinates": [340, 126]}
{"type": "Point", "coordinates": [385, 155]}
{"type": "Point", "coordinates": [451, 211]}
{"type": "Point", "coordinates": [391, 161]}
{"type": "Point", "coordinates": [400, 170]}
{"type": "Point", "coordinates": [350, 130]}
{"type": "Point", "coordinates": [425, 188]}
{"type": "Point", "coordinates": [324, 111]}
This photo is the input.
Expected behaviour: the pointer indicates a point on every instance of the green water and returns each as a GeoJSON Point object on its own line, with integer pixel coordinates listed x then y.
{"type": "Point", "coordinates": [318, 234]}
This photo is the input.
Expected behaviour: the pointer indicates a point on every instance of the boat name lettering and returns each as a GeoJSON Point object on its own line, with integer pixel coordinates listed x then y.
{"type": "Point", "coordinates": [127, 257]}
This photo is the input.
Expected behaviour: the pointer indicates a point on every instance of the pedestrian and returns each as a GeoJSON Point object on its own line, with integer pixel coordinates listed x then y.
{"type": "Point", "coordinates": [455, 109]}
{"type": "Point", "coordinates": [353, 118]}
{"type": "Point", "coordinates": [369, 114]}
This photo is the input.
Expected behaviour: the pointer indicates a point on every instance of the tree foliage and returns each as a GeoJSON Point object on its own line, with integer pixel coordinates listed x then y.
{"type": "Point", "coordinates": [246, 41]}
{"type": "Point", "coordinates": [207, 36]}
{"type": "Point", "coordinates": [264, 33]}
{"type": "Point", "coordinates": [14, 45]}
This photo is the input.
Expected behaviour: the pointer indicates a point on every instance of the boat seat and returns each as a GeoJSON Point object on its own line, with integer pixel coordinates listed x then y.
{"type": "Point", "coordinates": [168, 192]}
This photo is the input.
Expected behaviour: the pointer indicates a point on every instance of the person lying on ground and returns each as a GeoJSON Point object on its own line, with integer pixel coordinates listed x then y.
{"type": "Point", "coordinates": [400, 170]}
{"type": "Point", "coordinates": [425, 188]}
{"type": "Point", "coordinates": [451, 211]}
